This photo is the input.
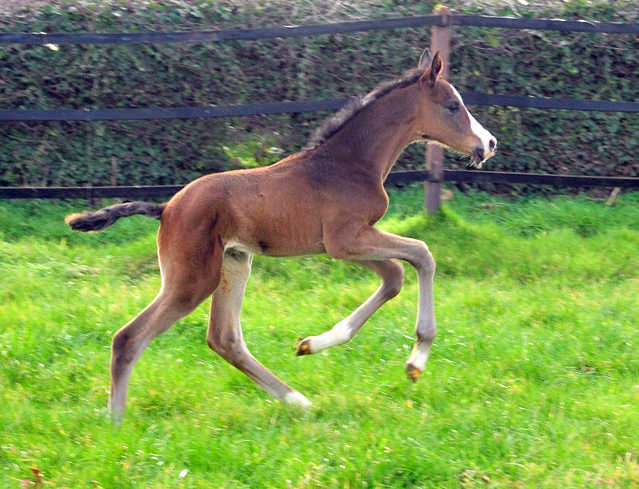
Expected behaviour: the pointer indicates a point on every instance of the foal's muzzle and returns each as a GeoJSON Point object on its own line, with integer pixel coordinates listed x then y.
{"type": "Point", "coordinates": [480, 154]}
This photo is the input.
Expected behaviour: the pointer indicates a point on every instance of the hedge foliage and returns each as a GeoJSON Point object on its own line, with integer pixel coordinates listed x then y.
{"type": "Point", "coordinates": [536, 63]}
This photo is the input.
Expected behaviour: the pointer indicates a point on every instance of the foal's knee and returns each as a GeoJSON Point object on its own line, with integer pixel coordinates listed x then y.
{"type": "Point", "coordinates": [213, 340]}
{"type": "Point", "coordinates": [394, 280]}
{"type": "Point", "coordinates": [123, 350]}
{"type": "Point", "coordinates": [228, 345]}
{"type": "Point", "coordinates": [425, 258]}
{"type": "Point", "coordinates": [426, 335]}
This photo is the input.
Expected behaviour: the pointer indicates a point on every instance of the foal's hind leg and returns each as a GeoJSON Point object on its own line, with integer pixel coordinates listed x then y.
{"type": "Point", "coordinates": [392, 274]}
{"type": "Point", "coordinates": [130, 342]}
{"type": "Point", "coordinates": [224, 335]}
{"type": "Point", "coordinates": [183, 289]}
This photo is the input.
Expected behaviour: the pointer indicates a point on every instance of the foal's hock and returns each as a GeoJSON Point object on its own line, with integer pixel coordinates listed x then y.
{"type": "Point", "coordinates": [324, 199]}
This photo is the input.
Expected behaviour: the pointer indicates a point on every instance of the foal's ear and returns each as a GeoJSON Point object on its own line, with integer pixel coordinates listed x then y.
{"type": "Point", "coordinates": [433, 71]}
{"type": "Point", "coordinates": [425, 59]}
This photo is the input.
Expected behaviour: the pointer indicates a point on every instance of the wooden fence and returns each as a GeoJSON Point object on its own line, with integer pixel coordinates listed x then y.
{"type": "Point", "coordinates": [440, 40]}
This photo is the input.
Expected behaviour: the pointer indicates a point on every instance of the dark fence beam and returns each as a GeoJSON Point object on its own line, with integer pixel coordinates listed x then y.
{"type": "Point", "coordinates": [141, 192]}
{"type": "Point", "coordinates": [319, 29]}
{"type": "Point", "coordinates": [511, 178]}
{"type": "Point", "coordinates": [539, 179]}
{"type": "Point", "coordinates": [219, 36]}
{"type": "Point", "coordinates": [549, 103]}
{"type": "Point", "coordinates": [395, 178]}
{"type": "Point", "coordinates": [544, 24]}
{"type": "Point", "coordinates": [172, 112]}
{"type": "Point", "coordinates": [295, 107]}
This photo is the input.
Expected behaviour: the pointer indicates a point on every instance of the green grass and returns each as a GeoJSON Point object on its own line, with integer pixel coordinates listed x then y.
{"type": "Point", "coordinates": [533, 379]}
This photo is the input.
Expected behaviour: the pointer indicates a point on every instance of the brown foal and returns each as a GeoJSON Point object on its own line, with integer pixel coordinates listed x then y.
{"type": "Point", "coordinates": [324, 199]}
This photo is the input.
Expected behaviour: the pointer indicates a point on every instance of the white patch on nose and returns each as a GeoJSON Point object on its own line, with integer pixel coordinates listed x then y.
{"type": "Point", "coordinates": [478, 130]}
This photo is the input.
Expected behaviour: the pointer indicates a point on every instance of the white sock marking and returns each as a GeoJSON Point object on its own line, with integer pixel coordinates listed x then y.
{"type": "Point", "coordinates": [297, 398]}
{"type": "Point", "coordinates": [341, 333]}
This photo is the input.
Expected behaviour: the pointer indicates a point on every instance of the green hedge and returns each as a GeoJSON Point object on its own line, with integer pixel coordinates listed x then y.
{"type": "Point", "coordinates": [550, 64]}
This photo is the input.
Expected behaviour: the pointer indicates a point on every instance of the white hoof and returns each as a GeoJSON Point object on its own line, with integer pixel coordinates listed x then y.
{"type": "Point", "coordinates": [297, 398]}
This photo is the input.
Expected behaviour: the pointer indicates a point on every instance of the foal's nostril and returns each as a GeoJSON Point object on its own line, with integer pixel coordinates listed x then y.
{"type": "Point", "coordinates": [491, 144]}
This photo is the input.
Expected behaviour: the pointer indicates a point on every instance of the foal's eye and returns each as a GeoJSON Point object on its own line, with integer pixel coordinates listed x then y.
{"type": "Point", "coordinates": [453, 107]}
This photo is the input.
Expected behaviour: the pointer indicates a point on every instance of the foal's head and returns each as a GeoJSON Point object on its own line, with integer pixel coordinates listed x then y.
{"type": "Point", "coordinates": [443, 118]}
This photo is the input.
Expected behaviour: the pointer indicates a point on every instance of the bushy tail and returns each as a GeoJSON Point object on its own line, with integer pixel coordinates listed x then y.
{"type": "Point", "coordinates": [102, 219]}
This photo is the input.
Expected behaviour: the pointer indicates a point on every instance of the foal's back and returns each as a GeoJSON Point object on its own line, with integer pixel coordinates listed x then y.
{"type": "Point", "coordinates": [275, 211]}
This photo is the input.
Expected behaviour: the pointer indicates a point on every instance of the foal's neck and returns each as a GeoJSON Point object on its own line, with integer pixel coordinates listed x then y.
{"type": "Point", "coordinates": [377, 135]}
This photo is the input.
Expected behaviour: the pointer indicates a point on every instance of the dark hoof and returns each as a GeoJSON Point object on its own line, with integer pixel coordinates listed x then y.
{"type": "Point", "coordinates": [413, 372]}
{"type": "Point", "coordinates": [304, 347]}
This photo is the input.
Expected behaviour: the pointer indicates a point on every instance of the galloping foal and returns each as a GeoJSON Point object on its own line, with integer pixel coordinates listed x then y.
{"type": "Point", "coordinates": [324, 199]}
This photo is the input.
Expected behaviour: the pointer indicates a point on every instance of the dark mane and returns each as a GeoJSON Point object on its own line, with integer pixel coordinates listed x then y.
{"type": "Point", "coordinates": [354, 106]}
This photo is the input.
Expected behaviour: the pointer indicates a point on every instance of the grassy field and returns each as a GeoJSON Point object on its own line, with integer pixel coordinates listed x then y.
{"type": "Point", "coordinates": [533, 380]}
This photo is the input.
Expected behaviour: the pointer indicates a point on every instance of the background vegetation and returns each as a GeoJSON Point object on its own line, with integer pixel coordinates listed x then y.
{"type": "Point", "coordinates": [571, 65]}
{"type": "Point", "coordinates": [533, 379]}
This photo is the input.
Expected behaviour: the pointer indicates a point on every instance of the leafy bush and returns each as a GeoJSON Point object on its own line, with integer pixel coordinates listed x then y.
{"type": "Point", "coordinates": [513, 62]}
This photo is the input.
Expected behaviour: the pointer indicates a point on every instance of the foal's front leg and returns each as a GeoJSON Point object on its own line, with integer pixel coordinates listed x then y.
{"type": "Point", "coordinates": [371, 244]}
{"type": "Point", "coordinates": [392, 274]}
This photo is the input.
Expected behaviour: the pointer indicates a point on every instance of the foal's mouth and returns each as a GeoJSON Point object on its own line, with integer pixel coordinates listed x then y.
{"type": "Point", "coordinates": [478, 156]}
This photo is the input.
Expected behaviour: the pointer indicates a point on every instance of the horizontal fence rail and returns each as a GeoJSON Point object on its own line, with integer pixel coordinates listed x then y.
{"type": "Point", "coordinates": [88, 193]}
{"type": "Point", "coordinates": [296, 107]}
{"type": "Point", "coordinates": [470, 176]}
{"type": "Point", "coordinates": [549, 103]}
{"type": "Point", "coordinates": [394, 178]}
{"type": "Point", "coordinates": [319, 29]}
{"type": "Point", "coordinates": [172, 113]}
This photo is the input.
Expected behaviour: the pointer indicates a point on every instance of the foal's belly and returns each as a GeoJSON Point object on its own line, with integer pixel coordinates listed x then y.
{"type": "Point", "coordinates": [275, 250]}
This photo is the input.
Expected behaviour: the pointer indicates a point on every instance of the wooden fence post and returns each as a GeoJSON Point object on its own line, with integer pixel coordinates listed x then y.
{"type": "Point", "coordinates": [439, 41]}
